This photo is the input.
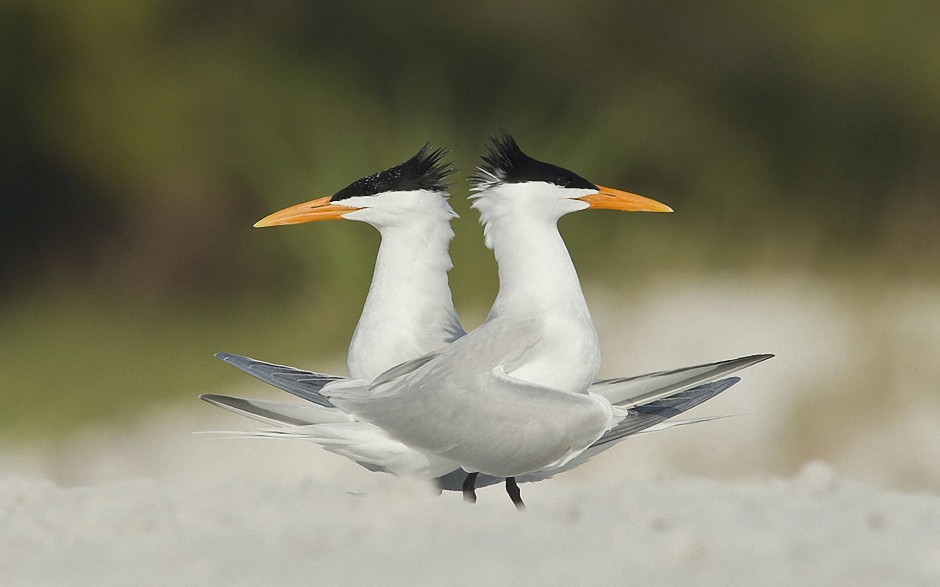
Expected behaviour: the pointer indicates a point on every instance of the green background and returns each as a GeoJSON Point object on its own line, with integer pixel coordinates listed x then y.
{"type": "Point", "coordinates": [140, 141]}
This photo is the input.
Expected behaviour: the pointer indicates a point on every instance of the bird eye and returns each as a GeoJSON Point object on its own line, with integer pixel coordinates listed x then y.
{"type": "Point", "coordinates": [562, 181]}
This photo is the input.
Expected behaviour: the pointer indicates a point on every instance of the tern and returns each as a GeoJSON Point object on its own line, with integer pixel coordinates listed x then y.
{"type": "Point", "coordinates": [409, 310]}
{"type": "Point", "coordinates": [378, 199]}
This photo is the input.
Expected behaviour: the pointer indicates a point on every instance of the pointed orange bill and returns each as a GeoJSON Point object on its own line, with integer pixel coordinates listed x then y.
{"type": "Point", "coordinates": [611, 199]}
{"type": "Point", "coordinates": [312, 211]}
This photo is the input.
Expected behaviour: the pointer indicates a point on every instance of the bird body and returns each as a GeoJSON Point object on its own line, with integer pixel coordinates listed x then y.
{"type": "Point", "coordinates": [652, 402]}
{"type": "Point", "coordinates": [462, 405]}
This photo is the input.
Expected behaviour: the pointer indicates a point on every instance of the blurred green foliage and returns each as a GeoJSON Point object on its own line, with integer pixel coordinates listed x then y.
{"type": "Point", "coordinates": [142, 139]}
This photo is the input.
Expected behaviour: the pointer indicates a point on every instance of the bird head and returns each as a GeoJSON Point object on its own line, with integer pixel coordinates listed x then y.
{"type": "Point", "coordinates": [516, 179]}
{"type": "Point", "coordinates": [381, 199]}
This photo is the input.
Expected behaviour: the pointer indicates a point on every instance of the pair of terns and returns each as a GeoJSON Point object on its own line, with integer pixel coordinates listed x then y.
{"type": "Point", "coordinates": [517, 398]}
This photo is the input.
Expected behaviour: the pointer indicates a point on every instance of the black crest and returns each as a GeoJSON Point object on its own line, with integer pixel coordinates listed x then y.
{"type": "Point", "coordinates": [424, 171]}
{"type": "Point", "coordinates": [506, 163]}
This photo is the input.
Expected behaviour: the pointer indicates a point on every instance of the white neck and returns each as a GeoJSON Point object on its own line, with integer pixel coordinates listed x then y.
{"type": "Point", "coordinates": [535, 270]}
{"type": "Point", "coordinates": [409, 310]}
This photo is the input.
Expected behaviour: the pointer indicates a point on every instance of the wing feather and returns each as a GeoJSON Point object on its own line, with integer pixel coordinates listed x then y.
{"type": "Point", "coordinates": [640, 389]}
{"type": "Point", "coordinates": [303, 384]}
{"type": "Point", "coordinates": [276, 413]}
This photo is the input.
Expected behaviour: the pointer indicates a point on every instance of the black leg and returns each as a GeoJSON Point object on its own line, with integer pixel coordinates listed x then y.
{"type": "Point", "coordinates": [469, 488]}
{"type": "Point", "coordinates": [514, 494]}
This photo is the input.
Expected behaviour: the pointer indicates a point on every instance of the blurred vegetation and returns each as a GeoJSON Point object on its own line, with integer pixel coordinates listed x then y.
{"type": "Point", "coordinates": [142, 139]}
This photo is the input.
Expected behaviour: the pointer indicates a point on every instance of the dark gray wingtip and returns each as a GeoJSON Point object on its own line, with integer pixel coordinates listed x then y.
{"type": "Point", "coordinates": [304, 384]}
{"type": "Point", "coordinates": [750, 360]}
{"type": "Point", "coordinates": [744, 362]}
{"type": "Point", "coordinates": [647, 415]}
{"type": "Point", "coordinates": [211, 398]}
{"type": "Point", "coordinates": [242, 362]}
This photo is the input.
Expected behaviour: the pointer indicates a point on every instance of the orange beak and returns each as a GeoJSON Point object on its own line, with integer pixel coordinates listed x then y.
{"type": "Point", "coordinates": [611, 199]}
{"type": "Point", "coordinates": [312, 211]}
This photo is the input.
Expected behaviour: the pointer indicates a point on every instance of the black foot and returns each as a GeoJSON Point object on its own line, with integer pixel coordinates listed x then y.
{"type": "Point", "coordinates": [514, 494]}
{"type": "Point", "coordinates": [469, 488]}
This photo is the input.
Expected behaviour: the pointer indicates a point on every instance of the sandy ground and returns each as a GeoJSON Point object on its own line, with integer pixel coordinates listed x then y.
{"type": "Point", "coordinates": [826, 474]}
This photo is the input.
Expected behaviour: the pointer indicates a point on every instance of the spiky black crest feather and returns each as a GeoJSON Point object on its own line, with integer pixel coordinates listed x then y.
{"type": "Point", "coordinates": [424, 171]}
{"type": "Point", "coordinates": [506, 163]}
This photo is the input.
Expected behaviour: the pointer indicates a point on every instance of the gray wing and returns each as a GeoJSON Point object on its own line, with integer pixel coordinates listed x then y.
{"type": "Point", "coordinates": [276, 413]}
{"type": "Point", "coordinates": [641, 389]}
{"type": "Point", "coordinates": [304, 384]}
{"type": "Point", "coordinates": [638, 419]}
{"type": "Point", "coordinates": [642, 417]}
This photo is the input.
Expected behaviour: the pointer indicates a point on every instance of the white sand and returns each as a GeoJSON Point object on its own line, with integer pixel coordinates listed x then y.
{"type": "Point", "coordinates": [743, 501]}
{"type": "Point", "coordinates": [212, 512]}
